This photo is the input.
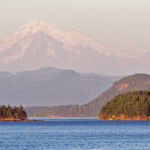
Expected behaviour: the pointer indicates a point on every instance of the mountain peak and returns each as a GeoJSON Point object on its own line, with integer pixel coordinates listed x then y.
{"type": "Point", "coordinates": [33, 22]}
{"type": "Point", "coordinates": [36, 25]}
{"type": "Point", "coordinates": [71, 49]}
{"type": "Point", "coordinates": [30, 24]}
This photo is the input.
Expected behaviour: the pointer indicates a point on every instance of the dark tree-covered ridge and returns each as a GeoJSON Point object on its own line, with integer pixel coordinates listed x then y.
{"type": "Point", "coordinates": [12, 112]}
{"type": "Point", "coordinates": [135, 103]}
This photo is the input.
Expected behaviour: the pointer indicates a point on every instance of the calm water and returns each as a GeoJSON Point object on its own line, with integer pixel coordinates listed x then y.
{"type": "Point", "coordinates": [75, 134]}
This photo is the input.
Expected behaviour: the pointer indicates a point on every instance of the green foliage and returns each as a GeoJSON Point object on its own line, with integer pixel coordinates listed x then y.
{"type": "Point", "coordinates": [130, 103]}
{"type": "Point", "coordinates": [12, 112]}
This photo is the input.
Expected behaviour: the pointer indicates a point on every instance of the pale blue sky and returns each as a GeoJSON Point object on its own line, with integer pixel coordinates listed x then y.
{"type": "Point", "coordinates": [106, 19]}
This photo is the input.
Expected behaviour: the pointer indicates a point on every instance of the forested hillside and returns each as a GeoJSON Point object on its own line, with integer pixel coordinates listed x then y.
{"type": "Point", "coordinates": [92, 109]}
{"type": "Point", "coordinates": [126, 84]}
{"type": "Point", "coordinates": [130, 105]}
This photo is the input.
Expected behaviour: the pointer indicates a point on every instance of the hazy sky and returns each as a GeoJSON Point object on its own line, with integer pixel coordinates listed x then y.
{"type": "Point", "coordinates": [104, 19]}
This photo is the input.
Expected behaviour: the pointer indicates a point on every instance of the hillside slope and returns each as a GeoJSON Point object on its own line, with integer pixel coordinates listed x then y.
{"type": "Point", "coordinates": [92, 109]}
{"type": "Point", "coordinates": [133, 105]}
{"type": "Point", "coordinates": [129, 83]}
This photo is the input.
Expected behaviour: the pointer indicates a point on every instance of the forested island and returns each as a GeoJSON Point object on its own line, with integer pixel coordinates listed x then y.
{"type": "Point", "coordinates": [133, 105]}
{"type": "Point", "coordinates": [8, 113]}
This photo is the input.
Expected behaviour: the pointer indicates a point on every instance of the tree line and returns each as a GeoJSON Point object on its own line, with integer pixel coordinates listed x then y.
{"type": "Point", "coordinates": [12, 112]}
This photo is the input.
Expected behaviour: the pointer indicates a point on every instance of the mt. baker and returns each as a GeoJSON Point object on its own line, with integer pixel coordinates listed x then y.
{"type": "Point", "coordinates": [40, 44]}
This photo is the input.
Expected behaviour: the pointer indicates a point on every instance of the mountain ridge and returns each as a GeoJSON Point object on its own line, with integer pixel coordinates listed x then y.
{"type": "Point", "coordinates": [52, 86]}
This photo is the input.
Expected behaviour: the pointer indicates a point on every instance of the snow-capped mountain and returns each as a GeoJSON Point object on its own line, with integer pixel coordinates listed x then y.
{"type": "Point", "coordinates": [40, 44]}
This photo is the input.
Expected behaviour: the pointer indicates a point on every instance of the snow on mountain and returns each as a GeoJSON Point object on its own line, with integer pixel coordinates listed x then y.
{"type": "Point", "coordinates": [73, 37]}
{"type": "Point", "coordinates": [40, 44]}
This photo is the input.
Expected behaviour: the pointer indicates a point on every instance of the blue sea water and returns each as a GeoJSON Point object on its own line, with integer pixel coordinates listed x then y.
{"type": "Point", "coordinates": [74, 134]}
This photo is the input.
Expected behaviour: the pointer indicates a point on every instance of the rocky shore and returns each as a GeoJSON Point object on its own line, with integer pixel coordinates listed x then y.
{"type": "Point", "coordinates": [123, 117]}
{"type": "Point", "coordinates": [13, 119]}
